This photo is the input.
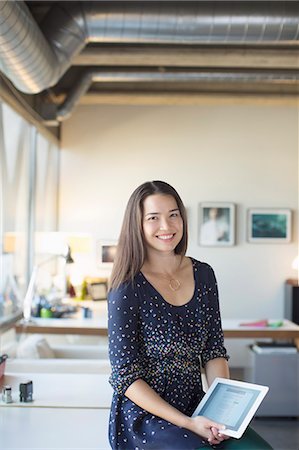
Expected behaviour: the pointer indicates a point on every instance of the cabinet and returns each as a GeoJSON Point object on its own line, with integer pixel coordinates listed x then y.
{"type": "Point", "coordinates": [291, 301]}
{"type": "Point", "coordinates": [280, 372]}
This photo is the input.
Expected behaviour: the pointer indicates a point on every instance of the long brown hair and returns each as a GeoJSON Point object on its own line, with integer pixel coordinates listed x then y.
{"type": "Point", "coordinates": [131, 250]}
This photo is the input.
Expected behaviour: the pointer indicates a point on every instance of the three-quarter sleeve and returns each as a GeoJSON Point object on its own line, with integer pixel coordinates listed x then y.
{"type": "Point", "coordinates": [123, 332]}
{"type": "Point", "coordinates": [214, 347]}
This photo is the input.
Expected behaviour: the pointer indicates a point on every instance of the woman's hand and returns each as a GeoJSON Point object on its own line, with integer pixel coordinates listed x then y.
{"type": "Point", "coordinates": [208, 429]}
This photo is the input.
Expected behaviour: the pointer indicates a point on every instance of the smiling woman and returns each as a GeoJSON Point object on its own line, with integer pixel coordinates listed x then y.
{"type": "Point", "coordinates": [163, 323]}
{"type": "Point", "coordinates": [163, 319]}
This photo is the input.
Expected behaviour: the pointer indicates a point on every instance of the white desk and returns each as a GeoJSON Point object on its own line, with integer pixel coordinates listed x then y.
{"type": "Point", "coordinates": [59, 429]}
{"type": "Point", "coordinates": [61, 390]}
{"type": "Point", "coordinates": [233, 328]}
{"type": "Point", "coordinates": [69, 411]}
{"type": "Point", "coordinates": [98, 327]}
{"type": "Point", "coordinates": [83, 327]}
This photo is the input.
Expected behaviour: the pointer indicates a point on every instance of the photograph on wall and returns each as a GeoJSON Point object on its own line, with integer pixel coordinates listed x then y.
{"type": "Point", "coordinates": [108, 253]}
{"type": "Point", "coordinates": [269, 225]}
{"type": "Point", "coordinates": [216, 224]}
{"type": "Point", "coordinates": [105, 252]}
{"type": "Point", "coordinates": [98, 289]}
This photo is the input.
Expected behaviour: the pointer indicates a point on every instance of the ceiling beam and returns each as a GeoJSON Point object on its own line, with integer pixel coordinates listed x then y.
{"type": "Point", "coordinates": [187, 99]}
{"type": "Point", "coordinates": [189, 57]}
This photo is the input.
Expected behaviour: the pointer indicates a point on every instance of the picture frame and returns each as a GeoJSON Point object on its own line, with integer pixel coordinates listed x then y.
{"type": "Point", "coordinates": [269, 225]}
{"type": "Point", "coordinates": [106, 252]}
{"type": "Point", "coordinates": [216, 224]}
{"type": "Point", "coordinates": [98, 290]}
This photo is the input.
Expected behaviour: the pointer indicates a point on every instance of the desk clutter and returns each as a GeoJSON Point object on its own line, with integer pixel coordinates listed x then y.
{"type": "Point", "coordinates": [56, 390]}
{"type": "Point", "coordinates": [53, 306]}
{"type": "Point", "coordinates": [25, 387]}
{"type": "Point", "coordinates": [48, 308]}
{"type": "Point", "coordinates": [264, 323]}
{"type": "Point", "coordinates": [25, 393]}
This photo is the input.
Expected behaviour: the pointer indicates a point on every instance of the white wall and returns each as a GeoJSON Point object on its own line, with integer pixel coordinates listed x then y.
{"type": "Point", "coordinates": [242, 154]}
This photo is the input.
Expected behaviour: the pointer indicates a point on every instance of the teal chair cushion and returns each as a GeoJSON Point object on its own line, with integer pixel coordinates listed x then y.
{"type": "Point", "coordinates": [249, 441]}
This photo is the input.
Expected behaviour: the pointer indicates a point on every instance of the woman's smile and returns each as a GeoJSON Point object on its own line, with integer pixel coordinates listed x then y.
{"type": "Point", "coordinates": [165, 237]}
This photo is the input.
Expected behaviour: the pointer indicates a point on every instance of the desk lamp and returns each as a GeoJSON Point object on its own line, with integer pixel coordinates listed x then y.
{"type": "Point", "coordinates": [31, 287]}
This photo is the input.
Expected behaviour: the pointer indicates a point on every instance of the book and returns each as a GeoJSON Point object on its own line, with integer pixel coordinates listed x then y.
{"type": "Point", "coordinates": [264, 323]}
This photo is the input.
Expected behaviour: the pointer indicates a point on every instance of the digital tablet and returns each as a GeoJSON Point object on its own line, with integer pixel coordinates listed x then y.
{"type": "Point", "coordinates": [231, 403]}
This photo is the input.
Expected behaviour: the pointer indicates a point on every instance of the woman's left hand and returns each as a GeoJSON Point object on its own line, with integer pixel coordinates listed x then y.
{"type": "Point", "coordinates": [216, 437]}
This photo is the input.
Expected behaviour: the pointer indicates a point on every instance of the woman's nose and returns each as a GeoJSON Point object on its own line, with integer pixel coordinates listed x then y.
{"type": "Point", "coordinates": [163, 223]}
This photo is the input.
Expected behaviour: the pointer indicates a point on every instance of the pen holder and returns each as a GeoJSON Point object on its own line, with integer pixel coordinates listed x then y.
{"type": "Point", "coordinates": [2, 365]}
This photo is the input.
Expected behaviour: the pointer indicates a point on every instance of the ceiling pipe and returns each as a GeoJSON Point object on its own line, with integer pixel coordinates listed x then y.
{"type": "Point", "coordinates": [25, 55]}
{"type": "Point", "coordinates": [35, 61]}
{"type": "Point", "coordinates": [185, 76]}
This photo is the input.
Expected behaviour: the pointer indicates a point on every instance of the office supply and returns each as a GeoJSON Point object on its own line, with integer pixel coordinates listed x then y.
{"type": "Point", "coordinates": [6, 394]}
{"type": "Point", "coordinates": [231, 403]}
{"type": "Point", "coordinates": [86, 312]}
{"type": "Point", "coordinates": [26, 391]}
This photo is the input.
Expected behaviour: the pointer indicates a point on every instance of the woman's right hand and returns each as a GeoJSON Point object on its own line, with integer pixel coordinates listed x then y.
{"type": "Point", "coordinates": [208, 429]}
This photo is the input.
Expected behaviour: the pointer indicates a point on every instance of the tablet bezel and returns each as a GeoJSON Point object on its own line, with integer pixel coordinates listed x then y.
{"type": "Point", "coordinates": [262, 391]}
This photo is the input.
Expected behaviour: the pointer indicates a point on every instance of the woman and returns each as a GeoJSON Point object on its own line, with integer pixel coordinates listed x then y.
{"type": "Point", "coordinates": [164, 322]}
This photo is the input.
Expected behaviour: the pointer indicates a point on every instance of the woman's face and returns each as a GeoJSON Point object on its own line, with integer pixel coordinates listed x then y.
{"type": "Point", "coordinates": [162, 223]}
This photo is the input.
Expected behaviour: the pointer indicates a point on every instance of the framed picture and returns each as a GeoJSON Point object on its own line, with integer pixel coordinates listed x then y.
{"type": "Point", "coordinates": [216, 224]}
{"type": "Point", "coordinates": [98, 289]}
{"type": "Point", "coordinates": [269, 225]}
{"type": "Point", "coordinates": [106, 252]}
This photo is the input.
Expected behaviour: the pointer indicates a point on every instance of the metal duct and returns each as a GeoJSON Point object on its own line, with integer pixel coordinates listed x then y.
{"type": "Point", "coordinates": [25, 56]}
{"type": "Point", "coordinates": [203, 22]}
{"type": "Point", "coordinates": [34, 63]}
{"type": "Point", "coordinates": [91, 76]}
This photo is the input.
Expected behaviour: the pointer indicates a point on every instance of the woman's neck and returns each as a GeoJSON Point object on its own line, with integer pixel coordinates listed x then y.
{"type": "Point", "coordinates": [166, 263]}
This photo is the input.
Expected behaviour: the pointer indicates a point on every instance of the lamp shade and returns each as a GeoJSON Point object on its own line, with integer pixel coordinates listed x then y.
{"type": "Point", "coordinates": [49, 243]}
{"type": "Point", "coordinates": [295, 263]}
{"type": "Point", "coordinates": [54, 243]}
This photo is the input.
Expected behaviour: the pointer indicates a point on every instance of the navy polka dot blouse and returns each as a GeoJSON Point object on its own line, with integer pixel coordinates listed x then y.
{"type": "Point", "coordinates": [164, 345]}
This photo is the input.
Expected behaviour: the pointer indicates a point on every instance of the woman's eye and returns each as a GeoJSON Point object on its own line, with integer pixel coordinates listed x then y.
{"type": "Point", "coordinates": [174, 215]}
{"type": "Point", "coordinates": [152, 218]}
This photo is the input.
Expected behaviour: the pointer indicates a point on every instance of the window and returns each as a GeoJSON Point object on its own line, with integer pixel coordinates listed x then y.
{"type": "Point", "coordinates": [28, 202]}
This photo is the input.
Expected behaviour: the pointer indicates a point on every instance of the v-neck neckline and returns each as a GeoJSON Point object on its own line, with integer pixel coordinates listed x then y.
{"type": "Point", "coordinates": [161, 296]}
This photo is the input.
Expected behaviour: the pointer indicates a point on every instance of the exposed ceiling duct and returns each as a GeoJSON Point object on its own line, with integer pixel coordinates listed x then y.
{"type": "Point", "coordinates": [44, 52]}
{"type": "Point", "coordinates": [28, 59]}
{"type": "Point", "coordinates": [35, 61]}
{"type": "Point", "coordinates": [167, 76]}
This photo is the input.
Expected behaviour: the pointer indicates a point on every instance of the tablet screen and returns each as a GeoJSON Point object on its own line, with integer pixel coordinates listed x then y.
{"type": "Point", "coordinates": [229, 405]}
